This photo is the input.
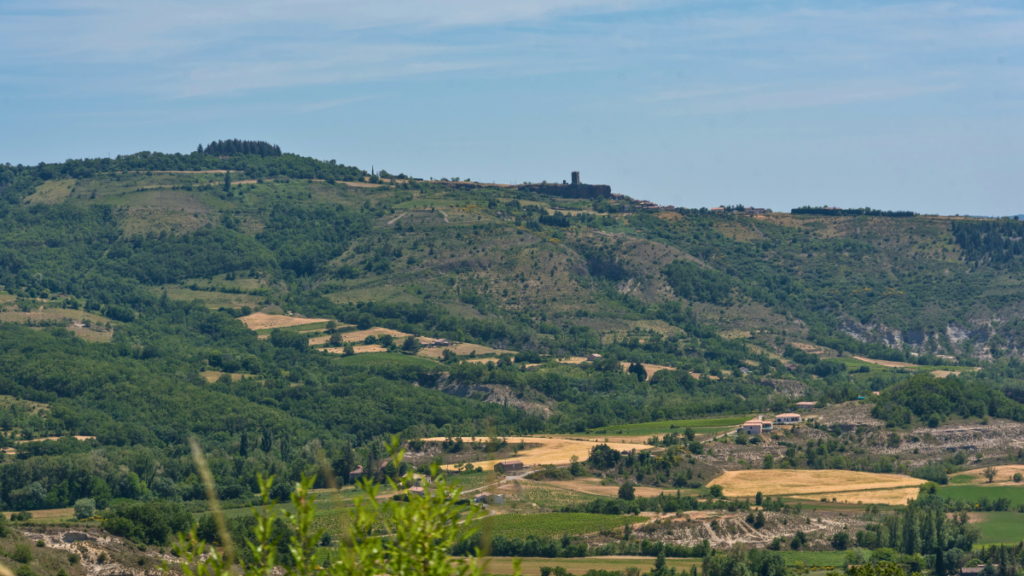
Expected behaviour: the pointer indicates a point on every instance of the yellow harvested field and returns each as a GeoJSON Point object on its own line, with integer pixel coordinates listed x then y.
{"type": "Point", "coordinates": [50, 514]}
{"type": "Point", "coordinates": [213, 375]}
{"type": "Point", "coordinates": [362, 349]}
{"type": "Point", "coordinates": [360, 335]}
{"type": "Point", "coordinates": [462, 350]}
{"type": "Point", "coordinates": [649, 368]}
{"type": "Point", "coordinates": [894, 497]}
{"type": "Point", "coordinates": [698, 376]}
{"type": "Point", "coordinates": [740, 483]}
{"type": "Point", "coordinates": [593, 486]}
{"type": "Point", "coordinates": [556, 451]}
{"type": "Point", "coordinates": [79, 438]}
{"type": "Point", "coordinates": [1004, 474]}
{"type": "Point", "coordinates": [261, 321]}
{"type": "Point", "coordinates": [886, 363]}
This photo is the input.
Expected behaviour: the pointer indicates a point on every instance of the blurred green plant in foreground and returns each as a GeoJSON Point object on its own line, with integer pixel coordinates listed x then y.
{"type": "Point", "coordinates": [399, 536]}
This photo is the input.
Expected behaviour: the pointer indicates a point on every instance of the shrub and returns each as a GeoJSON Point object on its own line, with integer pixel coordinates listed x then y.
{"type": "Point", "coordinates": [22, 553]}
{"type": "Point", "coordinates": [715, 490]}
{"type": "Point", "coordinates": [626, 491]}
{"type": "Point", "coordinates": [1017, 477]}
{"type": "Point", "coordinates": [85, 508]}
{"type": "Point", "coordinates": [148, 522]}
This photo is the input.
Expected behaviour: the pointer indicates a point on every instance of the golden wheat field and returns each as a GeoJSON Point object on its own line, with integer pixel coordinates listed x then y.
{"type": "Point", "coordinates": [556, 451]}
{"type": "Point", "coordinates": [261, 321]}
{"type": "Point", "coordinates": [865, 487]}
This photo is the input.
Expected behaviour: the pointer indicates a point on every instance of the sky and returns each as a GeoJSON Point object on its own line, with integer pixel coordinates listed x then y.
{"type": "Point", "coordinates": [772, 103]}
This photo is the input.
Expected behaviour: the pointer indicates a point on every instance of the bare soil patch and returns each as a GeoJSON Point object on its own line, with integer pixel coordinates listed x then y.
{"type": "Point", "coordinates": [261, 321]}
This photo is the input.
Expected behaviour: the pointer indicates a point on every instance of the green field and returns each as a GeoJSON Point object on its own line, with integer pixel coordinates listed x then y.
{"type": "Point", "coordinates": [814, 558]}
{"type": "Point", "coordinates": [666, 426]}
{"type": "Point", "coordinates": [975, 492]}
{"type": "Point", "coordinates": [1001, 527]}
{"type": "Point", "coordinates": [385, 359]}
{"type": "Point", "coordinates": [555, 524]}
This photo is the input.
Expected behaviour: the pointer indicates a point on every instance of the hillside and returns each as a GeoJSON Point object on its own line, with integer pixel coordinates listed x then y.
{"type": "Point", "coordinates": [125, 278]}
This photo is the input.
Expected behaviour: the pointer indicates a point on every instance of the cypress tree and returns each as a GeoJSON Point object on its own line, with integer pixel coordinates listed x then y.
{"type": "Point", "coordinates": [227, 181]}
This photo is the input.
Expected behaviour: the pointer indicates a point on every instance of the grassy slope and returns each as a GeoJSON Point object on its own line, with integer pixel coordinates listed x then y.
{"type": "Point", "coordinates": [975, 492]}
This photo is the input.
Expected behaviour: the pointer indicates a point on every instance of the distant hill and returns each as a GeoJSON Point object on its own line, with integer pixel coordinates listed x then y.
{"type": "Point", "coordinates": [123, 280]}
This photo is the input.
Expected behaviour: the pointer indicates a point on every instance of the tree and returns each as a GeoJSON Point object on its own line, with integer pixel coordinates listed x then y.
{"type": "Point", "coordinates": [639, 370]}
{"type": "Point", "coordinates": [349, 350]}
{"type": "Point", "coordinates": [990, 473]}
{"type": "Point", "coordinates": [227, 181]}
{"type": "Point", "coordinates": [335, 339]}
{"type": "Point", "coordinates": [411, 345]}
{"type": "Point", "coordinates": [85, 508]}
{"type": "Point", "coordinates": [769, 462]}
{"type": "Point", "coordinates": [758, 498]}
{"type": "Point", "coordinates": [626, 491]}
{"type": "Point", "coordinates": [715, 490]}
{"type": "Point", "coordinates": [690, 434]}
{"type": "Point", "coordinates": [840, 540]}
{"type": "Point", "coordinates": [660, 565]}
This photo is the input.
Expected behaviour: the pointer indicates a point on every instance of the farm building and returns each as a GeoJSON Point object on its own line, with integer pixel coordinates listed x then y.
{"type": "Point", "coordinates": [806, 405]}
{"type": "Point", "coordinates": [355, 474]}
{"type": "Point", "coordinates": [488, 498]}
{"type": "Point", "coordinates": [789, 418]}
{"type": "Point", "coordinates": [757, 426]}
{"type": "Point", "coordinates": [508, 466]}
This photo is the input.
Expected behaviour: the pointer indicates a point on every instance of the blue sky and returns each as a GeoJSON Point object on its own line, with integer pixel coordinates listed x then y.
{"type": "Point", "coordinates": [915, 105]}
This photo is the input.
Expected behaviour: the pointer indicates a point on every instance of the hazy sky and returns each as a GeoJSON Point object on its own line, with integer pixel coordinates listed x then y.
{"type": "Point", "coordinates": [916, 105]}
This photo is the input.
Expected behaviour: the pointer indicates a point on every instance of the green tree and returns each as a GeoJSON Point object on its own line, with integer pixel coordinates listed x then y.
{"type": "Point", "coordinates": [626, 491]}
{"type": "Point", "coordinates": [990, 473]}
{"type": "Point", "coordinates": [227, 181]}
{"type": "Point", "coordinates": [85, 508]}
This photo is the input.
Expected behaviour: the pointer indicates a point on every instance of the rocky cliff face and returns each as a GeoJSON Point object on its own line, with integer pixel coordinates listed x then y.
{"type": "Point", "coordinates": [973, 339]}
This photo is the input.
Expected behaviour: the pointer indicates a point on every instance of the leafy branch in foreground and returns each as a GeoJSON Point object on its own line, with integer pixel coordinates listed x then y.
{"type": "Point", "coordinates": [403, 536]}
